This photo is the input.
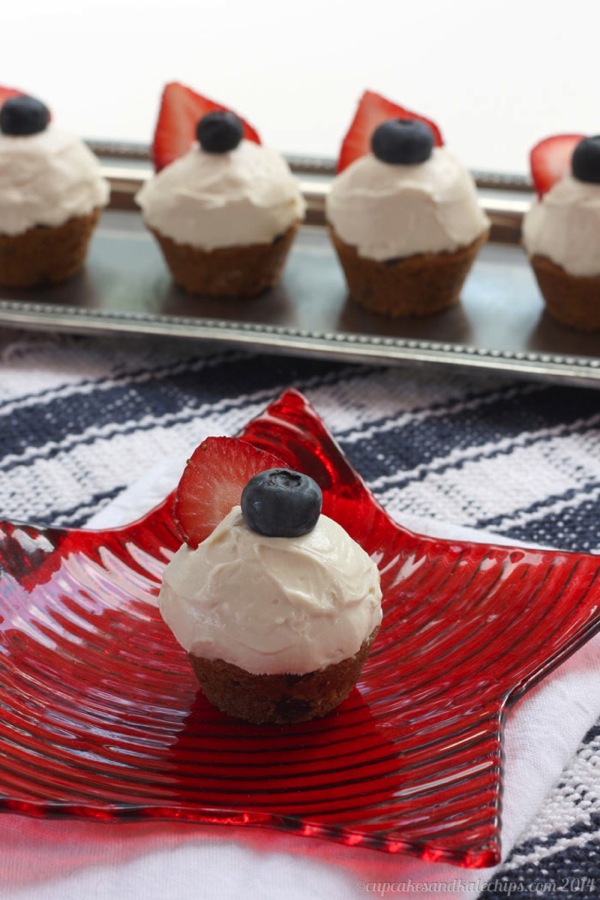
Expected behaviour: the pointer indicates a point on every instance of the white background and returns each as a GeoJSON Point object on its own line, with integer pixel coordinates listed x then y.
{"type": "Point", "coordinates": [495, 76]}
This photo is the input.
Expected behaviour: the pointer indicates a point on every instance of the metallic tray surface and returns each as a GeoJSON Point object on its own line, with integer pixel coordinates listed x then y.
{"type": "Point", "coordinates": [500, 324]}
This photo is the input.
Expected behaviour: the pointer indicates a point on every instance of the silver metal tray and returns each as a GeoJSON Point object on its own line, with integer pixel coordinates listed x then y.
{"type": "Point", "coordinates": [500, 324]}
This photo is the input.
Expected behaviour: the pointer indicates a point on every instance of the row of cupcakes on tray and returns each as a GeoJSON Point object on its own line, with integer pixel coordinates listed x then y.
{"type": "Point", "coordinates": [403, 212]}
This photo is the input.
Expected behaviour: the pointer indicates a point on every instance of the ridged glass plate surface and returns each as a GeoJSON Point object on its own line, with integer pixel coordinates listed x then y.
{"type": "Point", "coordinates": [101, 715]}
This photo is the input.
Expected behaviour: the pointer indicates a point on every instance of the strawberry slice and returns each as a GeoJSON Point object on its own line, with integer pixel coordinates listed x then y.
{"type": "Point", "coordinates": [372, 110]}
{"type": "Point", "coordinates": [6, 92]}
{"type": "Point", "coordinates": [181, 109]}
{"type": "Point", "coordinates": [212, 483]}
{"type": "Point", "coordinates": [550, 160]}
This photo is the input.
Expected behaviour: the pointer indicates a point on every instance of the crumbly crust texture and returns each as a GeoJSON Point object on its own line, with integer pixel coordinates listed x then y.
{"type": "Point", "coordinates": [227, 271]}
{"type": "Point", "coordinates": [46, 255]}
{"type": "Point", "coordinates": [414, 286]}
{"type": "Point", "coordinates": [279, 699]}
{"type": "Point", "coordinates": [570, 299]}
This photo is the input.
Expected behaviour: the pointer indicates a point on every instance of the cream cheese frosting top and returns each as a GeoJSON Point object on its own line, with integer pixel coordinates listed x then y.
{"type": "Point", "coordinates": [212, 200]}
{"type": "Point", "coordinates": [271, 604]}
{"type": "Point", "coordinates": [565, 226]}
{"type": "Point", "coordinates": [389, 211]}
{"type": "Point", "coordinates": [46, 179]}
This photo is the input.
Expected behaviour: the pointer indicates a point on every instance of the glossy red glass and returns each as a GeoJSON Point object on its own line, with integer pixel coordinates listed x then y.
{"type": "Point", "coordinates": [102, 716]}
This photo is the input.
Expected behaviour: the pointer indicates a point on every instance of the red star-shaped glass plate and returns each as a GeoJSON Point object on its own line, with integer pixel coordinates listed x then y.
{"type": "Point", "coordinates": [102, 716]}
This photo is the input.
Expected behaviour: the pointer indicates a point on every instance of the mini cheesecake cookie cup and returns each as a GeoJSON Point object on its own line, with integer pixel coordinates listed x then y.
{"type": "Point", "coordinates": [276, 606]}
{"type": "Point", "coordinates": [561, 229]}
{"type": "Point", "coordinates": [51, 197]}
{"type": "Point", "coordinates": [225, 214]}
{"type": "Point", "coordinates": [405, 222]}
{"type": "Point", "coordinates": [416, 286]}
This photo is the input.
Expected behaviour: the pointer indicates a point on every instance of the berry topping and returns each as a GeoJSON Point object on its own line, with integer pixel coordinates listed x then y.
{"type": "Point", "coordinates": [6, 92]}
{"type": "Point", "coordinates": [219, 132]}
{"type": "Point", "coordinates": [181, 108]}
{"type": "Point", "coordinates": [405, 141]}
{"type": "Point", "coordinates": [281, 503]}
{"type": "Point", "coordinates": [550, 160]}
{"type": "Point", "coordinates": [23, 115]}
{"type": "Point", "coordinates": [373, 109]}
{"type": "Point", "coordinates": [212, 484]}
{"type": "Point", "coordinates": [585, 162]}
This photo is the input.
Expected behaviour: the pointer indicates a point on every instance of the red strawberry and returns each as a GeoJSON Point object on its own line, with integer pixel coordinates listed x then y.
{"type": "Point", "coordinates": [212, 483]}
{"type": "Point", "coordinates": [181, 109]}
{"type": "Point", "coordinates": [373, 109]}
{"type": "Point", "coordinates": [6, 92]}
{"type": "Point", "coordinates": [550, 160]}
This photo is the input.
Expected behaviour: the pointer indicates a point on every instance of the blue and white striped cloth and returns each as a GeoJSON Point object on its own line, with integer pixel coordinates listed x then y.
{"type": "Point", "coordinates": [82, 419]}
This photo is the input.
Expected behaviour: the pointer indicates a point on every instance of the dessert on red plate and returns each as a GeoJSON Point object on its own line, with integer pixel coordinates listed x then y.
{"type": "Point", "coordinates": [223, 208]}
{"type": "Point", "coordinates": [403, 212]}
{"type": "Point", "coordinates": [51, 195]}
{"type": "Point", "coordinates": [561, 230]}
{"type": "Point", "coordinates": [274, 603]}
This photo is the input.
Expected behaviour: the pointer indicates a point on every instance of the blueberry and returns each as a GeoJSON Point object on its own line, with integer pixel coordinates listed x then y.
{"type": "Point", "coordinates": [406, 141]}
{"type": "Point", "coordinates": [281, 503]}
{"type": "Point", "coordinates": [585, 163]}
{"type": "Point", "coordinates": [23, 115]}
{"type": "Point", "coordinates": [219, 132]}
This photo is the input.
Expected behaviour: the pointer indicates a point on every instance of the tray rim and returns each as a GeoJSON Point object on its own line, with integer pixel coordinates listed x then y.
{"type": "Point", "coordinates": [340, 346]}
{"type": "Point", "coordinates": [509, 199]}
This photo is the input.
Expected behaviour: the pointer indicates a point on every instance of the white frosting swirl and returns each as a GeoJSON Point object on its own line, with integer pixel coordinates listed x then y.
{"type": "Point", "coordinates": [272, 605]}
{"type": "Point", "coordinates": [209, 200]}
{"type": "Point", "coordinates": [565, 226]}
{"type": "Point", "coordinates": [46, 179]}
{"type": "Point", "coordinates": [392, 211]}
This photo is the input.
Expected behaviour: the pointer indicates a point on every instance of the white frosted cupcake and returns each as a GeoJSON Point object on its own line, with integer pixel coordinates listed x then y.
{"type": "Point", "coordinates": [225, 214]}
{"type": "Point", "coordinates": [561, 234]}
{"type": "Point", "coordinates": [51, 196]}
{"type": "Point", "coordinates": [406, 222]}
{"type": "Point", "coordinates": [277, 608]}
